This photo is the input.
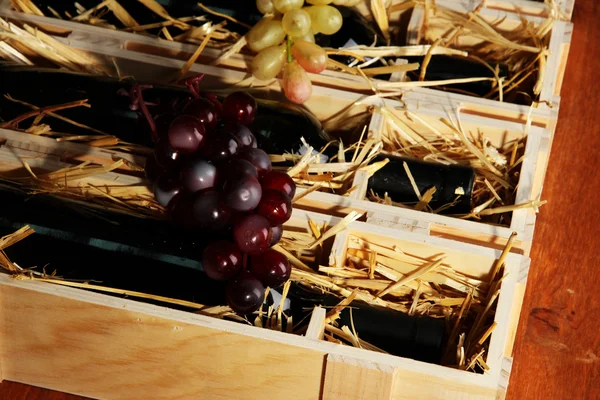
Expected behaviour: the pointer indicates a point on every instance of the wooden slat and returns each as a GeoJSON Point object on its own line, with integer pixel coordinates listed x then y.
{"type": "Point", "coordinates": [354, 379]}
{"type": "Point", "coordinates": [65, 342]}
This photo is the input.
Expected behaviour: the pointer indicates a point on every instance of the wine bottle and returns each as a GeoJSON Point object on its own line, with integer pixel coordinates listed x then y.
{"type": "Point", "coordinates": [442, 67]}
{"type": "Point", "coordinates": [419, 338]}
{"type": "Point", "coordinates": [355, 30]}
{"type": "Point", "coordinates": [453, 183]}
{"type": "Point", "coordinates": [112, 248]}
{"type": "Point", "coordinates": [278, 127]}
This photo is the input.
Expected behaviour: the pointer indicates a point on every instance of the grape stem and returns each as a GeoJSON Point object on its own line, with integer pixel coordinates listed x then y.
{"type": "Point", "coordinates": [138, 101]}
{"type": "Point", "coordinates": [193, 84]}
{"type": "Point", "coordinates": [289, 49]}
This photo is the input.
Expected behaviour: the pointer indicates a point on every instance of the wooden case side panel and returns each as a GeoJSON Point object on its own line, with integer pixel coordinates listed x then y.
{"type": "Point", "coordinates": [350, 378]}
{"type": "Point", "coordinates": [81, 347]}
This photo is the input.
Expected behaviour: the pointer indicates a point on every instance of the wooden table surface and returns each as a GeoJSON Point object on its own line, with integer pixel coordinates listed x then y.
{"type": "Point", "coordinates": [557, 352]}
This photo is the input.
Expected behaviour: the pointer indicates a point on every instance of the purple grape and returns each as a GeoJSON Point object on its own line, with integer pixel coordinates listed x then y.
{"type": "Point", "coordinates": [242, 134]}
{"type": "Point", "coordinates": [242, 193]}
{"type": "Point", "coordinates": [221, 260]}
{"type": "Point", "coordinates": [181, 210]}
{"type": "Point", "coordinates": [198, 174]}
{"type": "Point", "coordinates": [204, 110]}
{"type": "Point", "coordinates": [277, 234]}
{"type": "Point", "coordinates": [234, 168]}
{"type": "Point", "coordinates": [253, 234]}
{"type": "Point", "coordinates": [210, 212]}
{"type": "Point", "coordinates": [152, 169]}
{"type": "Point", "coordinates": [239, 107]}
{"type": "Point", "coordinates": [220, 147]}
{"type": "Point", "coordinates": [279, 181]}
{"type": "Point", "coordinates": [186, 134]}
{"type": "Point", "coordinates": [258, 158]}
{"type": "Point", "coordinates": [165, 189]}
{"type": "Point", "coordinates": [165, 156]}
{"type": "Point", "coordinates": [162, 122]}
{"type": "Point", "coordinates": [275, 206]}
{"type": "Point", "coordinates": [245, 294]}
{"type": "Point", "coordinates": [271, 268]}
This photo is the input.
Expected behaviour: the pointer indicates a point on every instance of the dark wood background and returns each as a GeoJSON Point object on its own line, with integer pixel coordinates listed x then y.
{"type": "Point", "coordinates": [557, 352]}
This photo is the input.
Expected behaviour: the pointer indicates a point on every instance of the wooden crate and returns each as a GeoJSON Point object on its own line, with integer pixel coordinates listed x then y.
{"type": "Point", "coordinates": [100, 346]}
{"type": "Point", "coordinates": [544, 115]}
{"type": "Point", "coordinates": [333, 106]}
{"type": "Point", "coordinates": [530, 8]}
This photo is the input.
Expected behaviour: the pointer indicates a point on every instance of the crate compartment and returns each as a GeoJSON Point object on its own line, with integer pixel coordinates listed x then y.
{"type": "Point", "coordinates": [105, 352]}
{"type": "Point", "coordinates": [542, 114]}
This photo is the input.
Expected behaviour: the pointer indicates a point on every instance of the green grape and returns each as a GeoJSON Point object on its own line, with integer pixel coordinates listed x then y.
{"type": "Point", "coordinates": [325, 19]}
{"type": "Point", "coordinates": [284, 6]}
{"type": "Point", "coordinates": [266, 33]}
{"type": "Point", "coordinates": [265, 6]}
{"type": "Point", "coordinates": [296, 22]}
{"type": "Point", "coordinates": [296, 83]}
{"type": "Point", "coordinates": [319, 2]}
{"type": "Point", "coordinates": [268, 63]}
{"type": "Point", "coordinates": [310, 56]}
{"type": "Point", "coordinates": [341, 2]}
{"type": "Point", "coordinates": [309, 37]}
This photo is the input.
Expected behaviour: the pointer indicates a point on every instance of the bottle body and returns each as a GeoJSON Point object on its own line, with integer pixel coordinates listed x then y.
{"type": "Point", "coordinates": [454, 184]}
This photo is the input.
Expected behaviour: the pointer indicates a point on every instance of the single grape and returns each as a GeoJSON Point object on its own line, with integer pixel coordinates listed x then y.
{"type": "Point", "coordinates": [215, 102]}
{"type": "Point", "coordinates": [266, 33]}
{"type": "Point", "coordinates": [341, 2]}
{"type": "Point", "coordinates": [181, 211]}
{"type": "Point", "coordinates": [296, 83]}
{"type": "Point", "coordinates": [242, 193]}
{"type": "Point", "coordinates": [210, 212]}
{"type": "Point", "coordinates": [275, 206]}
{"type": "Point", "coordinates": [165, 156]}
{"type": "Point", "coordinates": [310, 56]}
{"type": "Point", "coordinates": [268, 63]}
{"type": "Point", "coordinates": [278, 180]}
{"type": "Point", "coordinates": [265, 6]}
{"type": "Point", "coordinates": [271, 268]}
{"type": "Point", "coordinates": [245, 294]}
{"type": "Point", "coordinates": [204, 110]}
{"type": "Point", "coordinates": [309, 37]}
{"type": "Point", "coordinates": [198, 174]}
{"type": "Point", "coordinates": [242, 134]}
{"type": "Point", "coordinates": [240, 107]}
{"type": "Point", "coordinates": [296, 22]}
{"type": "Point", "coordinates": [186, 134]}
{"type": "Point", "coordinates": [220, 147]}
{"type": "Point", "coordinates": [284, 6]}
{"type": "Point", "coordinates": [258, 158]}
{"type": "Point", "coordinates": [234, 168]}
{"type": "Point", "coordinates": [152, 169]}
{"type": "Point", "coordinates": [325, 19]}
{"type": "Point", "coordinates": [221, 260]}
{"type": "Point", "coordinates": [253, 234]}
{"type": "Point", "coordinates": [165, 189]}
{"type": "Point", "coordinates": [319, 2]}
{"type": "Point", "coordinates": [277, 234]}
{"type": "Point", "coordinates": [162, 123]}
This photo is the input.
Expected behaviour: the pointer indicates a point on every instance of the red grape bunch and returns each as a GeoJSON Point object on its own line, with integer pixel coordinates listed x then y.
{"type": "Point", "coordinates": [300, 54]}
{"type": "Point", "coordinates": [211, 177]}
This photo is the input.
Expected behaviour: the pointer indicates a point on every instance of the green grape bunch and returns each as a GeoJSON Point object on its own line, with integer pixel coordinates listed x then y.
{"type": "Point", "coordinates": [284, 39]}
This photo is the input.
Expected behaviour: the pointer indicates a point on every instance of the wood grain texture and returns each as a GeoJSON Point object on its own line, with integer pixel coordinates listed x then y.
{"type": "Point", "coordinates": [354, 379]}
{"type": "Point", "coordinates": [121, 353]}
